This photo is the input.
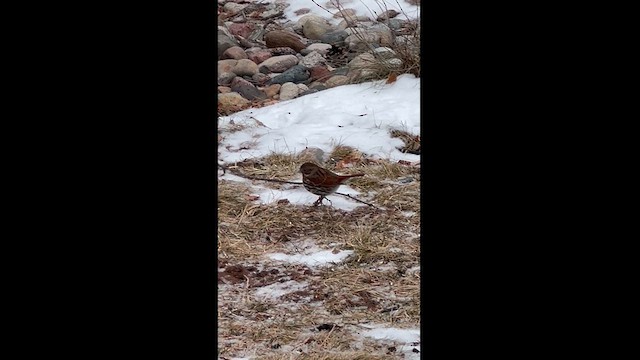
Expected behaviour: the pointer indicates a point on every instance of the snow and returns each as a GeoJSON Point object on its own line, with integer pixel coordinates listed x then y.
{"type": "Point", "coordinates": [322, 257]}
{"type": "Point", "coordinates": [278, 289]}
{"type": "Point", "coordinates": [371, 8]}
{"type": "Point", "coordinates": [358, 115]}
{"type": "Point", "coordinates": [409, 339]}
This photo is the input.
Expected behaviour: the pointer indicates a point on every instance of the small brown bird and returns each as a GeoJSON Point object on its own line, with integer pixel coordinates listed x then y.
{"type": "Point", "coordinates": [321, 181]}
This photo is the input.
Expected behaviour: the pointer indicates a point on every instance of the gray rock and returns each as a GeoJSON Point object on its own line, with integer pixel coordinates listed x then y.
{"type": "Point", "coordinates": [344, 24]}
{"type": "Point", "coordinates": [336, 38]}
{"type": "Point", "coordinates": [312, 60]}
{"type": "Point", "coordinates": [279, 63]}
{"type": "Point", "coordinates": [314, 29]}
{"type": "Point", "coordinates": [224, 42]}
{"type": "Point", "coordinates": [362, 42]}
{"type": "Point", "coordinates": [395, 24]}
{"type": "Point", "coordinates": [245, 67]}
{"type": "Point", "coordinates": [309, 17]}
{"type": "Point", "coordinates": [233, 8]}
{"type": "Point", "coordinates": [388, 14]}
{"type": "Point", "coordinates": [363, 66]}
{"type": "Point", "coordinates": [288, 91]}
{"type": "Point", "coordinates": [318, 86]}
{"type": "Point", "coordinates": [246, 89]}
{"type": "Point", "coordinates": [225, 78]}
{"type": "Point", "coordinates": [384, 32]}
{"type": "Point", "coordinates": [234, 52]}
{"type": "Point", "coordinates": [340, 71]}
{"type": "Point", "coordinates": [296, 74]}
{"type": "Point", "coordinates": [384, 53]}
{"type": "Point", "coordinates": [393, 64]}
{"type": "Point", "coordinates": [282, 51]}
{"type": "Point", "coordinates": [312, 154]}
{"type": "Point", "coordinates": [260, 78]}
{"type": "Point", "coordinates": [226, 65]}
{"type": "Point", "coordinates": [310, 91]}
{"type": "Point", "coordinates": [320, 48]}
{"type": "Point", "coordinates": [362, 61]}
{"type": "Point", "coordinates": [336, 80]}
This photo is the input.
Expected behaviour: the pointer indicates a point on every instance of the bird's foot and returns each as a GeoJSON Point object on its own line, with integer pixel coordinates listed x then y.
{"type": "Point", "coordinates": [319, 201]}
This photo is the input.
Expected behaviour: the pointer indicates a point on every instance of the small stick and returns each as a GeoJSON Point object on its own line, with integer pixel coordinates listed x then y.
{"type": "Point", "coordinates": [238, 173]}
{"type": "Point", "coordinates": [358, 200]}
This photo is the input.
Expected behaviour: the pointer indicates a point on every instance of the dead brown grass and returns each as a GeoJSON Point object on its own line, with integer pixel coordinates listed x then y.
{"type": "Point", "coordinates": [378, 283]}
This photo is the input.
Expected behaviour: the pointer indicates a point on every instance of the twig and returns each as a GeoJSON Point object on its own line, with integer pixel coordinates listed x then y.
{"type": "Point", "coordinates": [239, 173]}
{"type": "Point", "coordinates": [358, 200]}
{"type": "Point", "coordinates": [329, 334]}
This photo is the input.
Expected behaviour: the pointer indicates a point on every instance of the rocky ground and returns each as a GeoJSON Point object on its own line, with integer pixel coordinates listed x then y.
{"type": "Point", "coordinates": [264, 57]}
{"type": "Point", "coordinates": [303, 282]}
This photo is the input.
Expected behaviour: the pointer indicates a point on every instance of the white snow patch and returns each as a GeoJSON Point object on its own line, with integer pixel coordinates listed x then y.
{"type": "Point", "coordinates": [357, 115]}
{"type": "Point", "coordinates": [319, 258]}
{"type": "Point", "coordinates": [278, 289]}
{"type": "Point", "coordinates": [370, 8]}
{"type": "Point", "coordinates": [409, 339]}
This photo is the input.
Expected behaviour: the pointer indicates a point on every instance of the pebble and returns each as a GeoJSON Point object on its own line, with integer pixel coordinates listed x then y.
{"type": "Point", "coordinates": [312, 60]}
{"type": "Point", "coordinates": [231, 102]}
{"type": "Point", "coordinates": [313, 154]}
{"type": "Point", "coordinates": [388, 14]}
{"type": "Point", "coordinates": [241, 29]}
{"type": "Point", "coordinates": [226, 65]}
{"type": "Point", "coordinates": [384, 52]}
{"type": "Point", "coordinates": [335, 38]}
{"type": "Point", "coordinates": [315, 29]}
{"type": "Point", "coordinates": [272, 90]}
{"type": "Point", "coordinates": [278, 38]}
{"type": "Point", "coordinates": [336, 80]}
{"type": "Point", "coordinates": [319, 72]}
{"type": "Point", "coordinates": [310, 91]}
{"type": "Point", "coordinates": [288, 91]}
{"type": "Point", "coordinates": [296, 74]}
{"type": "Point", "coordinates": [320, 48]}
{"type": "Point", "coordinates": [246, 89]}
{"type": "Point", "coordinates": [225, 78]}
{"type": "Point", "coordinates": [279, 63]}
{"type": "Point", "coordinates": [245, 67]}
{"type": "Point", "coordinates": [233, 8]}
{"type": "Point", "coordinates": [234, 52]}
{"type": "Point", "coordinates": [260, 78]}
{"type": "Point", "coordinates": [258, 55]}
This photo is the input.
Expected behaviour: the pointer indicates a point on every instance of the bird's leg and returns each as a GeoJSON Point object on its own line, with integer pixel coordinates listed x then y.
{"type": "Point", "coordinates": [319, 201]}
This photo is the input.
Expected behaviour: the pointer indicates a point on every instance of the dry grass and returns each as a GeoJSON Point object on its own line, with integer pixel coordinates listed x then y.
{"type": "Point", "coordinates": [377, 284]}
{"type": "Point", "coordinates": [412, 142]}
{"type": "Point", "coordinates": [405, 45]}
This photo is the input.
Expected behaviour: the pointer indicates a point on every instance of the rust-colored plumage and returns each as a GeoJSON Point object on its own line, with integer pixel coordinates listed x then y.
{"type": "Point", "coordinates": [321, 181]}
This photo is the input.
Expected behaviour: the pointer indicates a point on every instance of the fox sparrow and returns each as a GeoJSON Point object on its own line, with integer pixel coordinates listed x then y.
{"type": "Point", "coordinates": [321, 181]}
